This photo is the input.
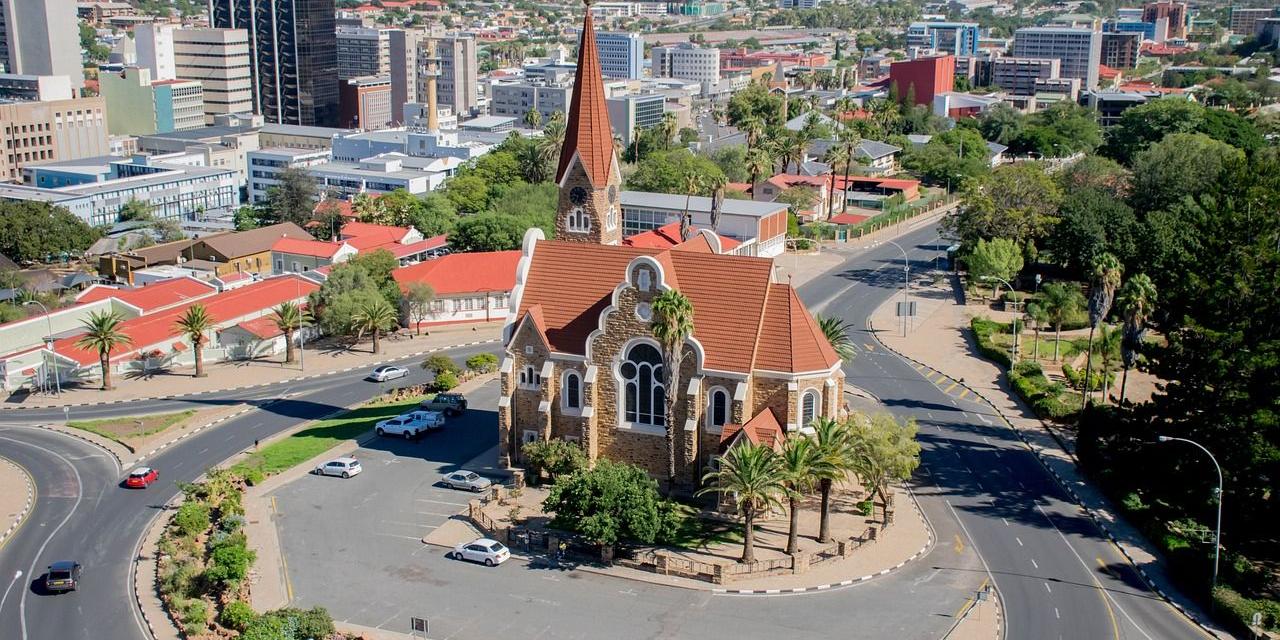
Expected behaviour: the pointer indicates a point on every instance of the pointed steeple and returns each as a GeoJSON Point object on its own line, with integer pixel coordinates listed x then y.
{"type": "Point", "coordinates": [587, 132]}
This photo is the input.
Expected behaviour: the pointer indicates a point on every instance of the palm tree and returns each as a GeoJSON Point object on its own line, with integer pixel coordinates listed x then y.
{"type": "Point", "coordinates": [1106, 274]}
{"type": "Point", "coordinates": [195, 324]}
{"type": "Point", "coordinates": [672, 324]}
{"type": "Point", "coordinates": [759, 162]}
{"type": "Point", "coordinates": [1038, 317]}
{"type": "Point", "coordinates": [753, 476]}
{"type": "Point", "coordinates": [833, 460]}
{"type": "Point", "coordinates": [290, 317]}
{"type": "Point", "coordinates": [1062, 302]}
{"type": "Point", "coordinates": [1136, 299]}
{"type": "Point", "coordinates": [103, 335]}
{"type": "Point", "coordinates": [373, 316]}
{"type": "Point", "coordinates": [836, 329]}
{"type": "Point", "coordinates": [798, 457]}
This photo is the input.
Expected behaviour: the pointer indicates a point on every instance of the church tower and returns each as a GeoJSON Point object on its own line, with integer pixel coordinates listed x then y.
{"type": "Point", "coordinates": [590, 210]}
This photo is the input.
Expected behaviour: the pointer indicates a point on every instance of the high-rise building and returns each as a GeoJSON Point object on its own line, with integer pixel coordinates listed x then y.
{"type": "Point", "coordinates": [219, 60]}
{"type": "Point", "coordinates": [621, 54]}
{"type": "Point", "coordinates": [1244, 19]}
{"type": "Point", "coordinates": [363, 51]}
{"type": "Point", "coordinates": [956, 38]}
{"type": "Point", "coordinates": [1120, 50]}
{"type": "Point", "coordinates": [40, 38]}
{"type": "Point", "coordinates": [52, 130]}
{"type": "Point", "coordinates": [687, 62]}
{"type": "Point", "coordinates": [294, 44]}
{"type": "Point", "coordinates": [1079, 50]}
{"type": "Point", "coordinates": [140, 106]}
{"type": "Point", "coordinates": [458, 82]}
{"type": "Point", "coordinates": [919, 80]}
{"type": "Point", "coordinates": [365, 103]}
{"type": "Point", "coordinates": [1176, 12]}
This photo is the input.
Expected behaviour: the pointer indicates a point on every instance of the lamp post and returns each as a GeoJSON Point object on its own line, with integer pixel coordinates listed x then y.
{"type": "Point", "coordinates": [1217, 535]}
{"type": "Point", "coordinates": [57, 379]}
{"type": "Point", "coordinates": [1013, 356]}
{"type": "Point", "coordinates": [906, 284]}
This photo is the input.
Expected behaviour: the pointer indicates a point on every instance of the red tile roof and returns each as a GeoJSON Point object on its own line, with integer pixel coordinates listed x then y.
{"type": "Point", "coordinates": [588, 133]}
{"type": "Point", "coordinates": [668, 237]}
{"type": "Point", "coordinates": [224, 307]}
{"type": "Point", "coordinates": [463, 272]}
{"type": "Point", "coordinates": [156, 295]}
{"type": "Point", "coordinates": [762, 429]}
{"type": "Point", "coordinates": [732, 297]}
{"type": "Point", "coordinates": [314, 248]}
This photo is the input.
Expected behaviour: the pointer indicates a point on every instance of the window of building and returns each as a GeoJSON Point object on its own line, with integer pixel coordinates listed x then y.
{"type": "Point", "coordinates": [572, 393]}
{"type": "Point", "coordinates": [642, 377]}
{"type": "Point", "coordinates": [718, 408]}
{"type": "Point", "coordinates": [809, 407]}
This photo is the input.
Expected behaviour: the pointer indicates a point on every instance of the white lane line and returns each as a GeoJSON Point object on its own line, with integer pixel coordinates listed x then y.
{"type": "Point", "coordinates": [1090, 572]}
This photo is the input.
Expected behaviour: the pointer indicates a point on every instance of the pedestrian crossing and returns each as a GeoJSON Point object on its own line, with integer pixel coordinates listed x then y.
{"type": "Point", "coordinates": [945, 384]}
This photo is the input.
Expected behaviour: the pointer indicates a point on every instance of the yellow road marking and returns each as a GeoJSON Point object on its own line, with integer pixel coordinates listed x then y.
{"type": "Point", "coordinates": [964, 392]}
{"type": "Point", "coordinates": [953, 385]}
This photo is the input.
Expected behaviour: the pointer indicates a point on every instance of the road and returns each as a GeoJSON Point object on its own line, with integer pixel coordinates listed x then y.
{"type": "Point", "coordinates": [995, 511]}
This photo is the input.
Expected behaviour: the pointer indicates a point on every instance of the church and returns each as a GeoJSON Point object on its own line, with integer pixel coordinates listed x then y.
{"type": "Point", "coordinates": [581, 363]}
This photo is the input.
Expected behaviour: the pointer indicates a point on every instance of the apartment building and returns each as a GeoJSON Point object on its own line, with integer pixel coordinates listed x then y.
{"type": "Point", "coordinates": [50, 131]}
{"type": "Point", "coordinates": [1078, 50]}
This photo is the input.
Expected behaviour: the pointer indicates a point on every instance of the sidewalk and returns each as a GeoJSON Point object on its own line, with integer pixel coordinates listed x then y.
{"type": "Point", "coordinates": [16, 499]}
{"type": "Point", "coordinates": [939, 340]}
{"type": "Point", "coordinates": [232, 375]}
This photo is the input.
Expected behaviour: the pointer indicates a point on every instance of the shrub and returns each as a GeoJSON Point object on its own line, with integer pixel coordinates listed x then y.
{"type": "Point", "coordinates": [192, 518]}
{"type": "Point", "coordinates": [237, 615]}
{"type": "Point", "coordinates": [445, 381]}
{"type": "Point", "coordinates": [482, 363]}
{"type": "Point", "coordinates": [439, 364]}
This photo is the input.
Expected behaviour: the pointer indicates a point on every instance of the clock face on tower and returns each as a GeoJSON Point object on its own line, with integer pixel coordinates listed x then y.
{"type": "Point", "coordinates": [578, 196]}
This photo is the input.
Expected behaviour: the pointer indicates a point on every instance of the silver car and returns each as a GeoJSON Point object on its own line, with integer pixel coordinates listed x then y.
{"type": "Point", "coordinates": [468, 480]}
{"type": "Point", "coordinates": [491, 552]}
{"type": "Point", "coordinates": [341, 467]}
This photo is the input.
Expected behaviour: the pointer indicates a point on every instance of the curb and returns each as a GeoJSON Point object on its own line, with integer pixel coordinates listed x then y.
{"type": "Point", "coordinates": [924, 550]}
{"type": "Point", "coordinates": [26, 509]}
{"type": "Point", "coordinates": [1041, 458]}
{"type": "Point", "coordinates": [417, 354]}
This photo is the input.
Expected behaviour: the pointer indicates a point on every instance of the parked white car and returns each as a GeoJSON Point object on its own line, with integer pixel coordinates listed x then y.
{"type": "Point", "coordinates": [467, 480]}
{"type": "Point", "coordinates": [411, 424]}
{"type": "Point", "coordinates": [491, 552]}
{"type": "Point", "coordinates": [341, 467]}
{"type": "Point", "coordinates": [387, 372]}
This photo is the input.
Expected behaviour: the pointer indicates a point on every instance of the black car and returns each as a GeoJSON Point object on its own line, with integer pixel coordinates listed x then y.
{"type": "Point", "coordinates": [62, 576]}
{"type": "Point", "coordinates": [450, 404]}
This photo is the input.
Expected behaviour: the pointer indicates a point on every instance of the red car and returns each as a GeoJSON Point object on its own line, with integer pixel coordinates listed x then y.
{"type": "Point", "coordinates": [141, 477]}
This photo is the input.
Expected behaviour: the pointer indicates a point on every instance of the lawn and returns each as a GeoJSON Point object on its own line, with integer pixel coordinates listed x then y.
{"type": "Point", "coordinates": [320, 437]}
{"type": "Point", "coordinates": [131, 428]}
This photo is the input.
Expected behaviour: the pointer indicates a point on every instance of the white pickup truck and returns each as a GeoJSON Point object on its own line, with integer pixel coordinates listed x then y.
{"type": "Point", "coordinates": [411, 424]}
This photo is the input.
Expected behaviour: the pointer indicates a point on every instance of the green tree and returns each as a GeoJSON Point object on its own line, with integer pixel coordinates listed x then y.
{"type": "Point", "coordinates": [797, 457]}
{"type": "Point", "coordinates": [833, 461]}
{"type": "Point", "coordinates": [195, 324]}
{"type": "Point", "coordinates": [1063, 304]}
{"type": "Point", "coordinates": [37, 231]}
{"type": "Point", "coordinates": [611, 502]}
{"type": "Point", "coordinates": [289, 319]}
{"type": "Point", "coordinates": [672, 324]}
{"type": "Point", "coordinates": [886, 451]}
{"type": "Point", "coordinates": [103, 335]}
{"type": "Point", "coordinates": [1000, 258]}
{"type": "Point", "coordinates": [1107, 272]}
{"type": "Point", "coordinates": [1136, 301]}
{"type": "Point", "coordinates": [751, 475]}
{"type": "Point", "coordinates": [374, 317]}
{"type": "Point", "coordinates": [418, 297]}
{"type": "Point", "coordinates": [292, 199]}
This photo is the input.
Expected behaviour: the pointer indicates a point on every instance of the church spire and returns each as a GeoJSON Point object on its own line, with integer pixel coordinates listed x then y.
{"type": "Point", "coordinates": [588, 173]}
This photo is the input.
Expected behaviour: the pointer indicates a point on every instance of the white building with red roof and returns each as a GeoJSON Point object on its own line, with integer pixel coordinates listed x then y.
{"type": "Point", "coordinates": [581, 361]}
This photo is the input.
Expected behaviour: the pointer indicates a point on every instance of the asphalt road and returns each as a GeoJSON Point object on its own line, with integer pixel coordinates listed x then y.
{"type": "Point", "coordinates": [82, 514]}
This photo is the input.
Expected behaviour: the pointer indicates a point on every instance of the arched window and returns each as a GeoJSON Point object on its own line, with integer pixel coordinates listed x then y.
{"type": "Point", "coordinates": [718, 408]}
{"type": "Point", "coordinates": [642, 377]}
{"type": "Point", "coordinates": [572, 392]}
{"type": "Point", "coordinates": [578, 221]}
{"type": "Point", "coordinates": [809, 407]}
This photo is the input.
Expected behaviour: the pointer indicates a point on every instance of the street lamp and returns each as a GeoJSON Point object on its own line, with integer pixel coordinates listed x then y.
{"type": "Point", "coordinates": [1013, 356]}
{"type": "Point", "coordinates": [57, 379]}
{"type": "Point", "coordinates": [906, 284]}
{"type": "Point", "coordinates": [1217, 536]}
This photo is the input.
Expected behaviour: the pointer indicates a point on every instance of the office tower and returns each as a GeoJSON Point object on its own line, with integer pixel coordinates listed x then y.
{"type": "Point", "coordinates": [956, 38]}
{"type": "Point", "coordinates": [402, 46]}
{"type": "Point", "coordinates": [363, 51]}
{"type": "Point", "coordinates": [1120, 50]}
{"type": "Point", "coordinates": [294, 46]}
{"type": "Point", "coordinates": [458, 81]}
{"type": "Point", "coordinates": [687, 62]}
{"type": "Point", "coordinates": [140, 106]}
{"type": "Point", "coordinates": [1176, 12]}
{"type": "Point", "coordinates": [621, 54]}
{"type": "Point", "coordinates": [41, 38]}
{"type": "Point", "coordinates": [52, 130]}
{"type": "Point", "coordinates": [1079, 50]}
{"type": "Point", "coordinates": [921, 79]}
{"type": "Point", "coordinates": [219, 59]}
